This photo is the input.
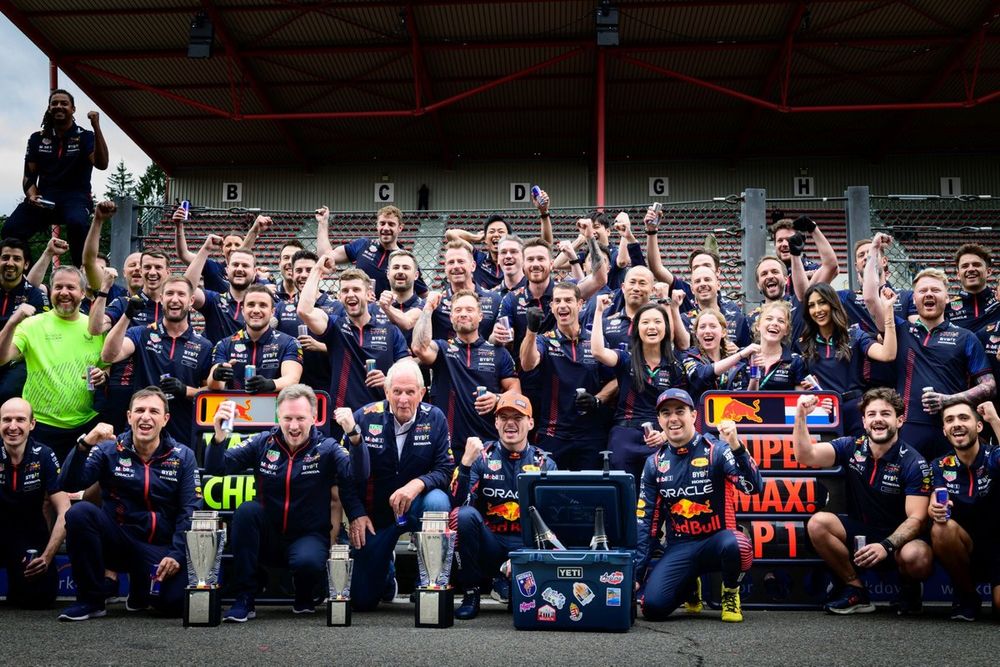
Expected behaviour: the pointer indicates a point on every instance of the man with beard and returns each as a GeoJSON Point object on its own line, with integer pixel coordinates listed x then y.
{"type": "Point", "coordinates": [276, 357]}
{"type": "Point", "coordinates": [149, 488]}
{"type": "Point", "coordinates": [459, 265]}
{"type": "Point", "coordinates": [964, 528]}
{"type": "Point", "coordinates": [887, 484]}
{"type": "Point", "coordinates": [772, 277]}
{"type": "Point", "coordinates": [536, 295]}
{"type": "Point", "coordinates": [510, 254]}
{"type": "Point", "coordinates": [405, 445]}
{"type": "Point", "coordinates": [705, 285]}
{"type": "Point", "coordinates": [214, 271]}
{"type": "Point", "coordinates": [463, 363]}
{"type": "Point", "coordinates": [352, 338]}
{"type": "Point", "coordinates": [936, 361]}
{"type": "Point", "coordinates": [29, 478]}
{"type": "Point", "coordinates": [298, 471]}
{"type": "Point", "coordinates": [559, 363]}
{"type": "Point", "coordinates": [488, 274]}
{"type": "Point", "coordinates": [57, 350]}
{"type": "Point", "coordinates": [400, 305]}
{"type": "Point", "coordinates": [485, 492]}
{"type": "Point", "coordinates": [167, 352]}
{"type": "Point", "coordinates": [854, 301]}
{"type": "Point", "coordinates": [975, 305]}
{"type": "Point", "coordinates": [223, 311]}
{"type": "Point", "coordinates": [15, 255]}
{"type": "Point", "coordinates": [57, 169]}
{"type": "Point", "coordinates": [286, 288]}
{"type": "Point", "coordinates": [367, 254]}
{"type": "Point", "coordinates": [628, 253]}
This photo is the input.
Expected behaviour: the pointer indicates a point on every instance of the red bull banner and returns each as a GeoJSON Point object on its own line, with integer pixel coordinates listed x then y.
{"type": "Point", "coordinates": [774, 452]}
{"type": "Point", "coordinates": [768, 410]}
{"type": "Point", "coordinates": [786, 495]}
{"type": "Point", "coordinates": [252, 410]}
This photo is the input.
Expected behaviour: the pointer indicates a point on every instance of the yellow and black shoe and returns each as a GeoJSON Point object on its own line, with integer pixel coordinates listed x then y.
{"type": "Point", "coordinates": [693, 604]}
{"type": "Point", "coordinates": [731, 612]}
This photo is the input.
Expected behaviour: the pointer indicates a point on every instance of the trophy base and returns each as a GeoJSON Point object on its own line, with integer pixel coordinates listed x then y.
{"type": "Point", "coordinates": [202, 607]}
{"type": "Point", "coordinates": [338, 613]}
{"type": "Point", "coordinates": [435, 608]}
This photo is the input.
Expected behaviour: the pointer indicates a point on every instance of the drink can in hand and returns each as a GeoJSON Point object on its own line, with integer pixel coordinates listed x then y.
{"type": "Point", "coordinates": [90, 378]}
{"type": "Point", "coordinates": [369, 365]}
{"type": "Point", "coordinates": [647, 428]}
{"type": "Point", "coordinates": [480, 391]}
{"type": "Point", "coordinates": [30, 555]}
{"type": "Point", "coordinates": [249, 371]}
{"type": "Point", "coordinates": [941, 498]}
{"type": "Point", "coordinates": [186, 205]}
{"type": "Point", "coordinates": [859, 542]}
{"type": "Point", "coordinates": [154, 583]}
{"type": "Point", "coordinates": [303, 330]}
{"type": "Point", "coordinates": [754, 372]}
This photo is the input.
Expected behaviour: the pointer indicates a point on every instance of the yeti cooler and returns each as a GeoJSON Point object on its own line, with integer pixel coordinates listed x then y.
{"type": "Point", "coordinates": [577, 588]}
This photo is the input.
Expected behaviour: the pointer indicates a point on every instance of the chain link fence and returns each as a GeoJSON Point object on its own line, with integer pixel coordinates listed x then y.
{"type": "Point", "coordinates": [684, 227]}
{"type": "Point", "coordinates": [928, 230]}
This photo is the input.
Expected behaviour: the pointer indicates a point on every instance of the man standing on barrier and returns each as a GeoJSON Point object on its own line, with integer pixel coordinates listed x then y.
{"type": "Point", "coordinates": [298, 471]}
{"type": "Point", "coordinates": [688, 482]}
{"type": "Point", "coordinates": [964, 517]}
{"type": "Point", "coordinates": [484, 491]}
{"type": "Point", "coordinates": [149, 487]}
{"type": "Point", "coordinates": [29, 477]}
{"type": "Point", "coordinates": [887, 484]}
{"type": "Point", "coordinates": [57, 168]}
{"type": "Point", "coordinates": [409, 449]}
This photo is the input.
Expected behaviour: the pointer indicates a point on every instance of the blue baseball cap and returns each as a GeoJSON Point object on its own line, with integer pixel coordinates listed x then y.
{"type": "Point", "coordinates": [674, 395]}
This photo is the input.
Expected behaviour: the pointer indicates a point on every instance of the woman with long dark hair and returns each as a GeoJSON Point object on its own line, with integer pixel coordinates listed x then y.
{"type": "Point", "coordinates": [644, 371]}
{"type": "Point", "coordinates": [835, 352]}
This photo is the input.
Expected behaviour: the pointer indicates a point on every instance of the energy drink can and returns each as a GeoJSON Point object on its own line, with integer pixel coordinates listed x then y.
{"type": "Point", "coordinates": [859, 542]}
{"type": "Point", "coordinates": [369, 365]}
{"type": "Point", "coordinates": [303, 330]}
{"type": "Point", "coordinates": [941, 498]}
{"type": "Point", "coordinates": [623, 347]}
{"type": "Point", "coordinates": [90, 380]}
{"type": "Point", "coordinates": [154, 583]}
{"type": "Point", "coordinates": [186, 205]}
{"type": "Point", "coordinates": [504, 322]}
{"type": "Point", "coordinates": [754, 372]}
{"type": "Point", "coordinates": [580, 391]}
{"type": "Point", "coordinates": [536, 192]}
{"type": "Point", "coordinates": [647, 428]}
{"type": "Point", "coordinates": [30, 555]}
{"type": "Point", "coordinates": [926, 390]}
{"type": "Point", "coordinates": [480, 391]}
{"type": "Point", "coordinates": [811, 379]}
{"type": "Point", "coordinates": [166, 376]}
{"type": "Point", "coordinates": [249, 371]}
{"type": "Point", "coordinates": [401, 520]}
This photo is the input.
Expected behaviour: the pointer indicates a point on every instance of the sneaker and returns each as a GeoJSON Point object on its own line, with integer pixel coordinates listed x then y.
{"type": "Point", "coordinates": [966, 608]}
{"type": "Point", "coordinates": [306, 606]}
{"type": "Point", "coordinates": [83, 611]}
{"type": "Point", "coordinates": [911, 599]}
{"type": "Point", "coordinates": [241, 611]}
{"type": "Point", "coordinates": [470, 605]}
{"type": "Point", "coordinates": [501, 589]}
{"type": "Point", "coordinates": [109, 589]}
{"type": "Point", "coordinates": [693, 604]}
{"type": "Point", "coordinates": [136, 601]}
{"type": "Point", "coordinates": [731, 611]}
{"type": "Point", "coordinates": [391, 585]}
{"type": "Point", "coordinates": [855, 600]}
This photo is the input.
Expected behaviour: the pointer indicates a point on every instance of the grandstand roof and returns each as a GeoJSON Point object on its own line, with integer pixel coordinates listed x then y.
{"type": "Point", "coordinates": [313, 82]}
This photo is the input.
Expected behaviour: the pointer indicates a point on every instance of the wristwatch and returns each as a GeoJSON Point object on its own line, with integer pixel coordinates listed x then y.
{"type": "Point", "coordinates": [82, 441]}
{"type": "Point", "coordinates": [355, 432]}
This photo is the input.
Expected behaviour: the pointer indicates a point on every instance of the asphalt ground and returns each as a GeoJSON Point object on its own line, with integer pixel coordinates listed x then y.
{"type": "Point", "coordinates": [387, 637]}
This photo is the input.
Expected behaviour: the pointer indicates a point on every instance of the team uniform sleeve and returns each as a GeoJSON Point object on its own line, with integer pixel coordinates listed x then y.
{"type": "Point", "coordinates": [81, 470]}
{"type": "Point", "coordinates": [976, 356]}
{"type": "Point", "coordinates": [918, 478]}
{"type": "Point", "coordinates": [843, 448]}
{"type": "Point", "coordinates": [223, 460]}
{"type": "Point", "coordinates": [190, 498]}
{"type": "Point", "coordinates": [214, 276]}
{"type": "Point", "coordinates": [743, 337]}
{"type": "Point", "coordinates": [937, 475]}
{"type": "Point", "coordinates": [399, 348]}
{"type": "Point", "coordinates": [347, 486]}
{"type": "Point", "coordinates": [38, 299]}
{"type": "Point", "coordinates": [505, 364]}
{"type": "Point", "coordinates": [292, 351]}
{"type": "Point", "coordinates": [50, 471]}
{"type": "Point", "coordinates": [739, 468]}
{"type": "Point", "coordinates": [354, 248]}
{"type": "Point", "coordinates": [647, 514]}
{"type": "Point", "coordinates": [134, 334]}
{"type": "Point", "coordinates": [360, 459]}
{"type": "Point", "coordinates": [220, 353]}
{"type": "Point", "coordinates": [444, 462]}
{"type": "Point", "coordinates": [116, 309]}
{"type": "Point", "coordinates": [463, 489]}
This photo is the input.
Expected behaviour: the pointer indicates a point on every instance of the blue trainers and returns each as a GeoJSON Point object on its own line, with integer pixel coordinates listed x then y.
{"type": "Point", "coordinates": [83, 611]}
{"type": "Point", "coordinates": [241, 611]}
{"type": "Point", "coordinates": [501, 589]}
{"type": "Point", "coordinates": [469, 608]}
{"type": "Point", "coordinates": [391, 585]}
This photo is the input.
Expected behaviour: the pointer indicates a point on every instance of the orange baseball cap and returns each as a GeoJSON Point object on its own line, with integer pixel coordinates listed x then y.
{"type": "Point", "coordinates": [514, 401]}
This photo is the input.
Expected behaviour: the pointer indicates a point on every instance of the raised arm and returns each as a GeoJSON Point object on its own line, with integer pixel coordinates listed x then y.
{"type": "Point", "coordinates": [315, 318]}
{"type": "Point", "coordinates": [260, 225]}
{"type": "Point", "coordinates": [829, 267]}
{"type": "Point", "coordinates": [871, 286]}
{"type": "Point", "coordinates": [681, 336]}
{"type": "Point", "coordinates": [180, 238]}
{"type": "Point", "coordinates": [425, 349]}
{"type": "Point", "coordinates": [213, 243]}
{"type": "Point", "coordinates": [117, 347]}
{"type": "Point", "coordinates": [92, 243]}
{"type": "Point", "coordinates": [653, 259]}
{"type": "Point", "coordinates": [97, 321]}
{"type": "Point", "coordinates": [99, 158]}
{"type": "Point", "coordinates": [55, 247]}
{"type": "Point", "coordinates": [404, 319]}
{"type": "Point", "coordinates": [530, 357]}
{"type": "Point", "coordinates": [598, 277]}
{"type": "Point", "coordinates": [808, 453]}
{"type": "Point", "coordinates": [545, 220]}
{"type": "Point", "coordinates": [601, 353]}
{"type": "Point", "coordinates": [886, 350]}
{"type": "Point", "coordinates": [9, 351]}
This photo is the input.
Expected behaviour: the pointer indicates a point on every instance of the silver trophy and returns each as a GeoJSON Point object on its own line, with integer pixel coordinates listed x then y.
{"type": "Point", "coordinates": [339, 568]}
{"type": "Point", "coordinates": [205, 541]}
{"type": "Point", "coordinates": [435, 548]}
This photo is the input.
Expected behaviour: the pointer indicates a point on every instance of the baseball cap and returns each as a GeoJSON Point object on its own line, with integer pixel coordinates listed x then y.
{"type": "Point", "coordinates": [674, 395]}
{"type": "Point", "coordinates": [515, 401]}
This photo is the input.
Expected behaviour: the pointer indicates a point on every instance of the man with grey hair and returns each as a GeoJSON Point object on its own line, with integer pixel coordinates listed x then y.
{"type": "Point", "coordinates": [298, 473]}
{"type": "Point", "coordinates": [406, 445]}
{"type": "Point", "coordinates": [61, 356]}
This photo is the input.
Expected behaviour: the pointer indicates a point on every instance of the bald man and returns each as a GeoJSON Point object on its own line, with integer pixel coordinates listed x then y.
{"type": "Point", "coordinates": [29, 474]}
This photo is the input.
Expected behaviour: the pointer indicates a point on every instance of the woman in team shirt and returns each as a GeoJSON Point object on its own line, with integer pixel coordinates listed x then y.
{"type": "Point", "coordinates": [714, 359]}
{"type": "Point", "coordinates": [835, 353]}
{"type": "Point", "coordinates": [778, 368]}
{"type": "Point", "coordinates": [644, 371]}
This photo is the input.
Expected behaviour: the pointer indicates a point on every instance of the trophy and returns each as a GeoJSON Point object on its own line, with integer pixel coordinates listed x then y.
{"type": "Point", "coordinates": [435, 596]}
{"type": "Point", "coordinates": [203, 598]}
{"type": "Point", "coordinates": [339, 568]}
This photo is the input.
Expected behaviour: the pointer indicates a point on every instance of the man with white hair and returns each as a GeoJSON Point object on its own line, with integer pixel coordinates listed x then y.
{"type": "Point", "coordinates": [405, 444]}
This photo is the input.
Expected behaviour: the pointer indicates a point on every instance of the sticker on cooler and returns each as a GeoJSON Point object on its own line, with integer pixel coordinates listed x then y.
{"type": "Point", "coordinates": [546, 614]}
{"type": "Point", "coordinates": [613, 578]}
{"type": "Point", "coordinates": [574, 612]}
{"type": "Point", "coordinates": [582, 593]}
{"type": "Point", "coordinates": [554, 598]}
{"type": "Point", "coordinates": [526, 584]}
{"type": "Point", "coordinates": [613, 597]}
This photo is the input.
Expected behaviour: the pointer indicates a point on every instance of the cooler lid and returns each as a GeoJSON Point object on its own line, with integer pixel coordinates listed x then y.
{"type": "Point", "coordinates": [567, 502]}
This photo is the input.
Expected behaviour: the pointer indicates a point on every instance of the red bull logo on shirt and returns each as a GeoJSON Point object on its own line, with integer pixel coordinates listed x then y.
{"type": "Point", "coordinates": [509, 511]}
{"type": "Point", "coordinates": [689, 509]}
